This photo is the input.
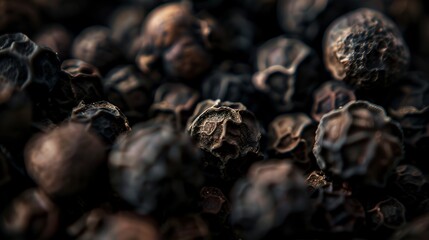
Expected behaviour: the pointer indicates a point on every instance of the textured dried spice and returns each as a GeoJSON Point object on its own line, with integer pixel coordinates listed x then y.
{"type": "Point", "coordinates": [228, 133]}
{"type": "Point", "coordinates": [103, 118]}
{"type": "Point", "coordinates": [61, 100]}
{"type": "Point", "coordinates": [27, 65]}
{"type": "Point", "coordinates": [130, 90]}
{"type": "Point", "coordinates": [156, 169]}
{"type": "Point", "coordinates": [31, 215]}
{"type": "Point", "coordinates": [317, 180]}
{"type": "Point", "coordinates": [365, 49]}
{"type": "Point", "coordinates": [291, 136]}
{"type": "Point", "coordinates": [329, 96]}
{"type": "Point", "coordinates": [184, 228]}
{"type": "Point", "coordinates": [175, 42]}
{"type": "Point", "coordinates": [358, 140]}
{"type": "Point", "coordinates": [417, 229]}
{"type": "Point", "coordinates": [213, 200]}
{"type": "Point", "coordinates": [389, 214]}
{"type": "Point", "coordinates": [272, 196]}
{"type": "Point", "coordinates": [18, 16]}
{"type": "Point", "coordinates": [175, 103]}
{"type": "Point", "coordinates": [57, 38]}
{"type": "Point", "coordinates": [64, 161]}
{"type": "Point", "coordinates": [85, 80]}
{"type": "Point", "coordinates": [287, 71]}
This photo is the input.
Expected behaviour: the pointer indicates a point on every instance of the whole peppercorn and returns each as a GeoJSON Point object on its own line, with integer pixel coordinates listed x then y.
{"type": "Point", "coordinates": [291, 136]}
{"type": "Point", "coordinates": [16, 111]}
{"type": "Point", "coordinates": [387, 215]}
{"type": "Point", "coordinates": [130, 90]}
{"type": "Point", "coordinates": [214, 201]}
{"type": "Point", "coordinates": [175, 43]}
{"type": "Point", "coordinates": [57, 38]}
{"type": "Point", "coordinates": [358, 141]}
{"type": "Point", "coordinates": [272, 198]}
{"type": "Point", "coordinates": [103, 118]}
{"type": "Point", "coordinates": [329, 96]}
{"type": "Point", "coordinates": [287, 72]}
{"type": "Point", "coordinates": [99, 225]}
{"type": "Point", "coordinates": [365, 49]}
{"type": "Point", "coordinates": [85, 80]}
{"type": "Point", "coordinates": [174, 103]}
{"type": "Point", "coordinates": [317, 180]}
{"type": "Point", "coordinates": [228, 134]}
{"type": "Point", "coordinates": [186, 227]}
{"type": "Point", "coordinates": [31, 215]}
{"type": "Point", "coordinates": [35, 68]}
{"type": "Point", "coordinates": [416, 229]}
{"type": "Point", "coordinates": [156, 169]}
{"type": "Point", "coordinates": [94, 45]}
{"type": "Point", "coordinates": [64, 161]}
{"type": "Point", "coordinates": [18, 16]}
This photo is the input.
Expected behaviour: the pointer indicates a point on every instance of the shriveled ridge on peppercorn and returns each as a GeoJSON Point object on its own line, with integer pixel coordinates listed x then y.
{"type": "Point", "coordinates": [365, 49]}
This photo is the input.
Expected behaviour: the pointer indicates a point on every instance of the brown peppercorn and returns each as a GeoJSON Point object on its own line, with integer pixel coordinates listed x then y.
{"type": "Point", "coordinates": [358, 141]}
{"type": "Point", "coordinates": [214, 201]}
{"type": "Point", "coordinates": [31, 215]}
{"type": "Point", "coordinates": [287, 71]}
{"type": "Point", "coordinates": [329, 96]}
{"type": "Point", "coordinates": [228, 134]}
{"type": "Point", "coordinates": [64, 161]}
{"type": "Point", "coordinates": [184, 228]}
{"type": "Point", "coordinates": [103, 118]}
{"type": "Point", "coordinates": [387, 214]}
{"type": "Point", "coordinates": [157, 170]}
{"type": "Point", "coordinates": [175, 43]}
{"type": "Point", "coordinates": [130, 90]}
{"type": "Point", "coordinates": [365, 49]}
{"type": "Point", "coordinates": [85, 80]}
{"type": "Point", "coordinates": [292, 136]}
{"type": "Point", "coordinates": [57, 38]}
{"type": "Point", "coordinates": [317, 180]}
{"type": "Point", "coordinates": [272, 198]}
{"type": "Point", "coordinates": [175, 103]}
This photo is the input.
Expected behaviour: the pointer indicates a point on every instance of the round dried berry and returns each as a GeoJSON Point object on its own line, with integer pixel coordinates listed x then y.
{"type": "Point", "coordinates": [57, 38]}
{"type": "Point", "coordinates": [358, 141]}
{"type": "Point", "coordinates": [18, 16]}
{"type": "Point", "coordinates": [387, 214]}
{"type": "Point", "coordinates": [365, 49]}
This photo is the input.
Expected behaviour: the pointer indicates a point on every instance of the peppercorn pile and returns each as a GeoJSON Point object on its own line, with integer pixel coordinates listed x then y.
{"type": "Point", "coordinates": [214, 119]}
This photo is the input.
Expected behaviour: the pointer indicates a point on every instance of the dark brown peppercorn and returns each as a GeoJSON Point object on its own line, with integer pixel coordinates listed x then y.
{"type": "Point", "coordinates": [174, 103]}
{"type": "Point", "coordinates": [190, 227]}
{"type": "Point", "coordinates": [358, 140]}
{"type": "Point", "coordinates": [418, 229]}
{"type": "Point", "coordinates": [329, 96]}
{"type": "Point", "coordinates": [214, 201]}
{"type": "Point", "coordinates": [57, 38]}
{"type": "Point", "coordinates": [130, 90]}
{"type": "Point", "coordinates": [287, 71]}
{"type": "Point", "coordinates": [272, 196]}
{"type": "Point", "coordinates": [365, 49]}
{"type": "Point", "coordinates": [157, 170]}
{"type": "Point", "coordinates": [103, 118]}
{"type": "Point", "coordinates": [317, 180]}
{"type": "Point", "coordinates": [291, 136]}
{"type": "Point", "coordinates": [85, 80]}
{"type": "Point", "coordinates": [94, 45]}
{"type": "Point", "coordinates": [389, 214]}
{"type": "Point", "coordinates": [64, 161]}
{"type": "Point", "coordinates": [18, 16]}
{"type": "Point", "coordinates": [31, 215]}
{"type": "Point", "coordinates": [229, 135]}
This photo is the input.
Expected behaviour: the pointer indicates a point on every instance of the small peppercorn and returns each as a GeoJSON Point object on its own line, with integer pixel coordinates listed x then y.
{"type": "Point", "coordinates": [64, 161]}
{"type": "Point", "coordinates": [85, 80]}
{"type": "Point", "coordinates": [156, 169]}
{"type": "Point", "coordinates": [365, 49]}
{"type": "Point", "coordinates": [103, 118]}
{"type": "Point", "coordinates": [31, 215]}
{"type": "Point", "coordinates": [228, 134]}
{"type": "Point", "coordinates": [387, 214]}
{"type": "Point", "coordinates": [358, 140]}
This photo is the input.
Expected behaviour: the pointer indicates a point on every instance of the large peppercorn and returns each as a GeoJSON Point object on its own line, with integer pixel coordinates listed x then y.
{"type": "Point", "coordinates": [329, 96]}
{"type": "Point", "coordinates": [103, 118]}
{"type": "Point", "coordinates": [94, 45]}
{"type": "Point", "coordinates": [28, 65]}
{"type": "Point", "coordinates": [365, 49]}
{"type": "Point", "coordinates": [64, 161]}
{"type": "Point", "coordinates": [130, 90]}
{"type": "Point", "coordinates": [85, 80]}
{"type": "Point", "coordinates": [271, 199]}
{"type": "Point", "coordinates": [156, 169]}
{"type": "Point", "coordinates": [292, 136]}
{"type": "Point", "coordinates": [288, 70]}
{"type": "Point", "coordinates": [174, 103]}
{"type": "Point", "coordinates": [228, 134]}
{"type": "Point", "coordinates": [31, 215]}
{"type": "Point", "coordinates": [358, 141]}
{"type": "Point", "coordinates": [175, 43]}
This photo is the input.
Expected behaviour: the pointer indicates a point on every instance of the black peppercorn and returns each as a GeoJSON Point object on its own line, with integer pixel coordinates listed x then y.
{"type": "Point", "coordinates": [417, 229]}
{"type": "Point", "coordinates": [18, 16]}
{"type": "Point", "coordinates": [358, 140]}
{"type": "Point", "coordinates": [57, 38]}
{"type": "Point", "coordinates": [365, 49]}
{"type": "Point", "coordinates": [386, 215]}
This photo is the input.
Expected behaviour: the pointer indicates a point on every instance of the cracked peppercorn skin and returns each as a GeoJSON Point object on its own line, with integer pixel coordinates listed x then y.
{"type": "Point", "coordinates": [365, 49]}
